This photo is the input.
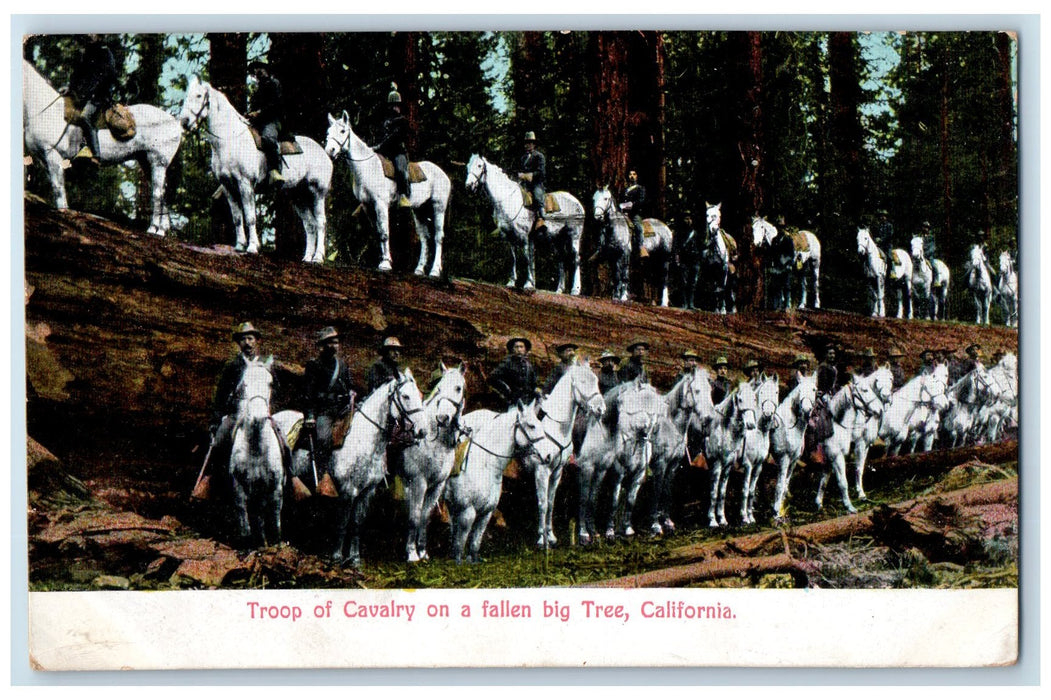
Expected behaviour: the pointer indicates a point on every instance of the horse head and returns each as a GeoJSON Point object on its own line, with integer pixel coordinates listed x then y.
{"type": "Point", "coordinates": [916, 248]}
{"type": "Point", "coordinates": [766, 396]}
{"type": "Point", "coordinates": [640, 408]}
{"type": "Point", "coordinates": [744, 406]}
{"type": "Point", "coordinates": [1007, 265]}
{"type": "Point", "coordinates": [805, 395]}
{"type": "Point", "coordinates": [697, 393]}
{"type": "Point", "coordinates": [337, 139]}
{"type": "Point", "coordinates": [449, 396]}
{"type": "Point", "coordinates": [714, 216]}
{"type": "Point", "coordinates": [602, 204]}
{"type": "Point", "coordinates": [864, 397]}
{"type": "Point", "coordinates": [585, 388]}
{"type": "Point", "coordinates": [255, 387]}
{"type": "Point", "coordinates": [937, 385]}
{"type": "Point", "coordinates": [529, 432]}
{"type": "Point", "coordinates": [865, 242]}
{"type": "Point", "coordinates": [763, 232]}
{"type": "Point", "coordinates": [882, 383]}
{"type": "Point", "coordinates": [476, 168]}
{"type": "Point", "coordinates": [406, 403]}
{"type": "Point", "coordinates": [196, 105]}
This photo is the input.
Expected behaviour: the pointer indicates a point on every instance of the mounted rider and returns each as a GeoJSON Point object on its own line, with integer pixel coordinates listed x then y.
{"type": "Point", "coordinates": [897, 372]}
{"type": "Point", "coordinates": [928, 240]}
{"type": "Point", "coordinates": [752, 372]}
{"type": "Point", "coordinates": [721, 384]}
{"type": "Point", "coordinates": [883, 233]}
{"type": "Point", "coordinates": [383, 370]}
{"type": "Point", "coordinates": [514, 379]}
{"type": "Point", "coordinates": [567, 353]}
{"type": "Point", "coordinates": [633, 201]}
{"type": "Point", "coordinates": [607, 378]}
{"type": "Point", "coordinates": [330, 395]}
{"type": "Point", "coordinates": [634, 367]}
{"type": "Point", "coordinates": [91, 89]}
{"type": "Point", "coordinates": [926, 361]}
{"type": "Point", "coordinates": [961, 369]}
{"type": "Point", "coordinates": [690, 361]}
{"type": "Point", "coordinates": [267, 116]}
{"type": "Point", "coordinates": [800, 368]}
{"type": "Point", "coordinates": [532, 171]}
{"type": "Point", "coordinates": [225, 404]}
{"type": "Point", "coordinates": [394, 146]}
{"type": "Point", "coordinates": [868, 362]}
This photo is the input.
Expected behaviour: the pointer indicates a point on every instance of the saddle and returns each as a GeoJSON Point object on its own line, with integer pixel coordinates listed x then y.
{"type": "Point", "coordinates": [647, 228]}
{"type": "Point", "coordinates": [416, 173]}
{"type": "Point", "coordinates": [550, 203]}
{"type": "Point", "coordinates": [799, 240]}
{"type": "Point", "coordinates": [289, 146]}
{"type": "Point", "coordinates": [118, 119]}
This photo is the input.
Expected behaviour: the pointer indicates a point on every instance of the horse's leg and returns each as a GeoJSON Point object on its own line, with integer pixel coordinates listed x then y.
{"type": "Point", "coordinates": [243, 523]}
{"type": "Point", "coordinates": [247, 194]}
{"type": "Point", "coordinates": [438, 211]}
{"type": "Point", "coordinates": [585, 526]}
{"type": "Point", "coordinates": [540, 477]}
{"type": "Point", "coordinates": [713, 503]}
{"type": "Point", "coordinates": [618, 479]}
{"type": "Point", "coordinates": [861, 453]}
{"type": "Point", "coordinates": [306, 216]}
{"type": "Point", "coordinates": [665, 267]}
{"type": "Point", "coordinates": [784, 473]}
{"type": "Point", "coordinates": [629, 501]}
{"type": "Point", "coordinates": [361, 509]}
{"type": "Point", "coordinates": [415, 492]}
{"type": "Point", "coordinates": [477, 532]}
{"type": "Point", "coordinates": [840, 466]}
{"type": "Point", "coordinates": [803, 283]}
{"type": "Point", "coordinates": [430, 502]}
{"type": "Point", "coordinates": [724, 482]}
{"type": "Point", "coordinates": [56, 175]}
{"type": "Point", "coordinates": [382, 215]}
{"type": "Point", "coordinates": [753, 488]}
{"type": "Point", "coordinates": [344, 511]}
{"type": "Point", "coordinates": [422, 233]}
{"type": "Point", "coordinates": [530, 253]}
{"type": "Point", "coordinates": [157, 174]}
{"type": "Point", "coordinates": [819, 497]}
{"type": "Point", "coordinates": [461, 528]}
{"type": "Point", "coordinates": [513, 279]}
{"type": "Point", "coordinates": [622, 274]}
{"type": "Point", "coordinates": [552, 490]}
{"type": "Point", "coordinates": [233, 200]}
{"type": "Point", "coordinates": [320, 225]}
{"type": "Point", "coordinates": [816, 274]}
{"type": "Point", "coordinates": [575, 234]}
{"type": "Point", "coordinates": [745, 486]}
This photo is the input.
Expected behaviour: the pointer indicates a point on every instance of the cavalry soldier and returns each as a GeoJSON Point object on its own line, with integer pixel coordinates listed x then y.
{"type": "Point", "coordinates": [752, 372]}
{"type": "Point", "coordinates": [329, 394]}
{"type": "Point", "coordinates": [91, 87]}
{"type": "Point", "coordinates": [827, 374]}
{"type": "Point", "coordinates": [387, 367]}
{"type": "Point", "coordinates": [532, 171]}
{"type": "Point", "coordinates": [393, 144]}
{"type": "Point", "coordinates": [894, 356]}
{"type": "Point", "coordinates": [928, 240]}
{"type": "Point", "coordinates": [632, 204]}
{"type": "Point", "coordinates": [927, 361]}
{"type": "Point", "coordinates": [266, 115]}
{"type": "Point", "coordinates": [567, 352]}
{"type": "Point", "coordinates": [224, 402]}
{"type": "Point", "coordinates": [883, 233]}
{"type": "Point", "coordinates": [514, 378]}
{"type": "Point", "coordinates": [721, 385]}
{"type": "Point", "coordinates": [690, 362]}
{"type": "Point", "coordinates": [868, 362]}
{"type": "Point", "coordinates": [607, 378]}
{"type": "Point", "coordinates": [965, 366]}
{"type": "Point", "coordinates": [800, 367]}
{"type": "Point", "coordinates": [634, 367]}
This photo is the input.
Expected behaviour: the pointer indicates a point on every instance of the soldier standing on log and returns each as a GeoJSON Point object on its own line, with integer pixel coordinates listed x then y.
{"type": "Point", "coordinates": [514, 379]}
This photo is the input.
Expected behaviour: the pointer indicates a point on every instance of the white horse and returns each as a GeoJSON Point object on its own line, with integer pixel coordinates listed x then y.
{"type": "Point", "coordinates": [789, 257]}
{"type": "Point", "coordinates": [881, 382]}
{"type": "Point", "coordinates": [915, 410]}
{"type": "Point", "coordinates": [757, 442]}
{"type": "Point", "coordinates": [1007, 289]}
{"type": "Point", "coordinates": [49, 139]}
{"type": "Point", "coordinates": [576, 390]}
{"type": "Point", "coordinates": [427, 463]}
{"type": "Point", "coordinates": [515, 221]}
{"type": "Point", "coordinates": [1002, 405]}
{"type": "Point", "coordinates": [875, 272]}
{"type": "Point", "coordinates": [980, 282]}
{"type": "Point", "coordinates": [930, 281]}
{"type": "Point", "coordinates": [718, 260]}
{"type": "Point", "coordinates": [622, 440]}
{"type": "Point", "coordinates": [473, 494]}
{"type": "Point", "coordinates": [734, 418]}
{"type": "Point", "coordinates": [786, 440]}
{"type": "Point", "coordinates": [377, 191]}
{"type": "Point", "coordinates": [966, 399]}
{"type": "Point", "coordinates": [361, 464]}
{"type": "Point", "coordinates": [240, 167]}
{"type": "Point", "coordinates": [257, 474]}
{"type": "Point", "coordinates": [853, 408]}
{"type": "Point", "coordinates": [657, 243]}
{"type": "Point", "coordinates": [690, 407]}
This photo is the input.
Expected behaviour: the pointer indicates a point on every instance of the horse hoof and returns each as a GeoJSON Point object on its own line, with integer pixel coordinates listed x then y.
{"type": "Point", "coordinates": [413, 557]}
{"type": "Point", "coordinates": [584, 539]}
{"type": "Point", "coordinates": [656, 530]}
{"type": "Point", "coordinates": [435, 273]}
{"type": "Point", "coordinates": [629, 531]}
{"type": "Point", "coordinates": [424, 556]}
{"type": "Point", "coordinates": [384, 266]}
{"type": "Point", "coordinates": [418, 271]}
{"type": "Point", "coordinates": [669, 526]}
{"type": "Point", "coordinates": [610, 534]}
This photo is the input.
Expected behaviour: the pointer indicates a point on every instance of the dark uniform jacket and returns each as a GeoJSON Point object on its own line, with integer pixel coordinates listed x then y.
{"type": "Point", "coordinates": [631, 369]}
{"type": "Point", "coordinates": [635, 195]}
{"type": "Point", "coordinates": [721, 386]}
{"type": "Point", "coordinates": [884, 235]}
{"type": "Point", "coordinates": [607, 379]}
{"type": "Point", "coordinates": [94, 77]}
{"type": "Point", "coordinates": [381, 372]}
{"type": "Point", "coordinates": [395, 135]}
{"type": "Point", "coordinates": [897, 372]}
{"type": "Point", "coordinates": [268, 104]}
{"type": "Point", "coordinates": [514, 379]}
{"type": "Point", "coordinates": [536, 165]}
{"type": "Point", "coordinates": [225, 401]}
{"type": "Point", "coordinates": [959, 370]}
{"type": "Point", "coordinates": [826, 378]}
{"type": "Point", "coordinates": [556, 374]}
{"type": "Point", "coordinates": [328, 387]}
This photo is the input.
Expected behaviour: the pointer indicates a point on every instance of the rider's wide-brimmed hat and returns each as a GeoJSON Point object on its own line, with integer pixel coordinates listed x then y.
{"type": "Point", "coordinates": [800, 360]}
{"type": "Point", "coordinates": [974, 349]}
{"type": "Point", "coordinates": [565, 346]}
{"type": "Point", "coordinates": [243, 329]}
{"type": "Point", "coordinates": [926, 351]}
{"type": "Point", "coordinates": [636, 344]}
{"type": "Point", "coordinates": [327, 333]}
{"type": "Point", "coordinates": [895, 352]}
{"type": "Point", "coordinates": [751, 363]}
{"type": "Point", "coordinates": [868, 352]}
{"type": "Point", "coordinates": [393, 97]}
{"type": "Point", "coordinates": [721, 361]}
{"type": "Point", "coordinates": [519, 339]}
{"type": "Point", "coordinates": [608, 355]}
{"type": "Point", "coordinates": [690, 353]}
{"type": "Point", "coordinates": [390, 343]}
{"type": "Point", "coordinates": [529, 136]}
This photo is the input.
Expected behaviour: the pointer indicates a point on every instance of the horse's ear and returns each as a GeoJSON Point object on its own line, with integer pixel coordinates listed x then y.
{"type": "Point", "coordinates": [441, 363]}
{"type": "Point", "coordinates": [407, 373]}
{"type": "Point", "coordinates": [776, 377]}
{"type": "Point", "coordinates": [707, 204]}
{"type": "Point", "coordinates": [331, 120]}
{"type": "Point", "coordinates": [346, 117]}
{"type": "Point", "coordinates": [268, 362]}
{"type": "Point", "coordinates": [463, 367]}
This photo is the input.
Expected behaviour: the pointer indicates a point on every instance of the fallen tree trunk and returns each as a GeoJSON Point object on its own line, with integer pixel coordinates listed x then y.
{"type": "Point", "coordinates": [910, 523]}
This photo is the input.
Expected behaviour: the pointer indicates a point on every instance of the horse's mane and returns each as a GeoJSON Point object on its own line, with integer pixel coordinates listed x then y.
{"type": "Point", "coordinates": [839, 402]}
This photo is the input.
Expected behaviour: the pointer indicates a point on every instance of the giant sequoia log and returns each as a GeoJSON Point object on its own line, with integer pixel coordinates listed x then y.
{"type": "Point", "coordinates": [125, 333]}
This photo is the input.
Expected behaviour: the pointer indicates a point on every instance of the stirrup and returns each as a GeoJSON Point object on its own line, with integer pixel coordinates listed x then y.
{"type": "Point", "coordinates": [275, 176]}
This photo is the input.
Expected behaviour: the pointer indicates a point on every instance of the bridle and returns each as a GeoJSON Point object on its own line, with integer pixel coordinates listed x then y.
{"type": "Point", "coordinates": [480, 179]}
{"type": "Point", "coordinates": [578, 401]}
{"type": "Point", "coordinates": [393, 398]}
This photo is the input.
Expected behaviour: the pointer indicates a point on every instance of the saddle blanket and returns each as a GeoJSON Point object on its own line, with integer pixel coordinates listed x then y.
{"type": "Point", "coordinates": [800, 242]}
{"type": "Point", "coordinates": [416, 173]}
{"type": "Point", "coordinates": [550, 203]}
{"type": "Point", "coordinates": [647, 228]}
{"type": "Point", "coordinates": [288, 147]}
{"type": "Point", "coordinates": [118, 119]}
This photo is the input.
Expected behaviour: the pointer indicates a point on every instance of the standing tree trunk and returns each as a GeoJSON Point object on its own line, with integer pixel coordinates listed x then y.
{"type": "Point", "coordinates": [299, 66]}
{"type": "Point", "coordinates": [227, 71]}
{"type": "Point", "coordinates": [846, 131]}
{"type": "Point", "coordinates": [748, 46]}
{"type": "Point", "coordinates": [147, 91]}
{"type": "Point", "coordinates": [1005, 184]}
{"type": "Point", "coordinates": [946, 159]}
